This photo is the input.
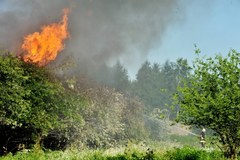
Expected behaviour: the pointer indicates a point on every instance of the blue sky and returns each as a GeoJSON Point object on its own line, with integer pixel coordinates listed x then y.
{"type": "Point", "coordinates": [213, 26]}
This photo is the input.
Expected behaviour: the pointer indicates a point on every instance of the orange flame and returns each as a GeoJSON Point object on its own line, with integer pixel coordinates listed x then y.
{"type": "Point", "coordinates": [41, 48]}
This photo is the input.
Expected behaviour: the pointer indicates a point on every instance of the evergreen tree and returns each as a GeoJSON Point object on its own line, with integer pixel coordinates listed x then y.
{"type": "Point", "coordinates": [119, 77]}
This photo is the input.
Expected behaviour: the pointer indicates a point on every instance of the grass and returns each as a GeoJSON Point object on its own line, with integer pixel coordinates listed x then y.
{"type": "Point", "coordinates": [130, 152]}
{"type": "Point", "coordinates": [185, 140]}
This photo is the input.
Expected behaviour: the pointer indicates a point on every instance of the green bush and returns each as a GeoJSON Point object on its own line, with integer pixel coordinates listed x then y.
{"type": "Point", "coordinates": [33, 103]}
{"type": "Point", "coordinates": [131, 152]}
{"type": "Point", "coordinates": [136, 152]}
{"type": "Point", "coordinates": [188, 153]}
{"type": "Point", "coordinates": [56, 155]}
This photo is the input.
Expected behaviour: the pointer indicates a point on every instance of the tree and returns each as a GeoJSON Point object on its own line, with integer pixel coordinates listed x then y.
{"type": "Point", "coordinates": [32, 103]}
{"type": "Point", "coordinates": [143, 87]}
{"type": "Point", "coordinates": [211, 98]}
{"type": "Point", "coordinates": [155, 84]}
{"type": "Point", "coordinates": [115, 76]}
{"type": "Point", "coordinates": [119, 77]}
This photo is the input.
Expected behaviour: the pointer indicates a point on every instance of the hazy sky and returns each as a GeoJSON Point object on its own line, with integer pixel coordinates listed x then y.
{"type": "Point", "coordinates": [213, 25]}
{"type": "Point", "coordinates": [132, 31]}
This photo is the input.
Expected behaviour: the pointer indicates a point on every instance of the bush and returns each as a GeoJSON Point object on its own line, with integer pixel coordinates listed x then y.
{"type": "Point", "coordinates": [32, 103]}
{"type": "Point", "coordinates": [188, 153]}
{"type": "Point", "coordinates": [132, 152]}
{"type": "Point", "coordinates": [53, 155]}
{"type": "Point", "coordinates": [136, 152]}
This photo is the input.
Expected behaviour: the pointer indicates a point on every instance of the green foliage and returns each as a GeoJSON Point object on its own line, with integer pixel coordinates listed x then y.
{"type": "Point", "coordinates": [145, 87]}
{"type": "Point", "coordinates": [134, 120]}
{"type": "Point", "coordinates": [136, 152]}
{"type": "Point", "coordinates": [110, 118]}
{"type": "Point", "coordinates": [32, 103]}
{"type": "Point", "coordinates": [27, 95]}
{"type": "Point", "coordinates": [155, 84]}
{"type": "Point", "coordinates": [188, 153]}
{"type": "Point", "coordinates": [103, 126]}
{"type": "Point", "coordinates": [119, 79]}
{"type": "Point", "coordinates": [211, 97]}
{"type": "Point", "coordinates": [57, 155]}
{"type": "Point", "coordinates": [14, 106]}
{"type": "Point", "coordinates": [131, 152]}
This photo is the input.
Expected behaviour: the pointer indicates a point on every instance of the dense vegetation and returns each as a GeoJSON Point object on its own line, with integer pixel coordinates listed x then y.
{"type": "Point", "coordinates": [154, 85]}
{"type": "Point", "coordinates": [210, 98]}
{"type": "Point", "coordinates": [33, 106]}
{"type": "Point", "coordinates": [129, 153]}
{"type": "Point", "coordinates": [42, 111]}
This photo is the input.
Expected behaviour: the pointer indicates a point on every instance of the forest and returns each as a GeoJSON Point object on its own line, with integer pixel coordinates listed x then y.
{"type": "Point", "coordinates": [45, 114]}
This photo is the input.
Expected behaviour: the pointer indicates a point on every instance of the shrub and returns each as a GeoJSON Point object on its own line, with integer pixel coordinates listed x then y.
{"type": "Point", "coordinates": [188, 153]}
{"type": "Point", "coordinates": [32, 103]}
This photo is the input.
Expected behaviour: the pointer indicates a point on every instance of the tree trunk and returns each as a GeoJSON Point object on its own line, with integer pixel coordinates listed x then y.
{"type": "Point", "coordinates": [38, 141]}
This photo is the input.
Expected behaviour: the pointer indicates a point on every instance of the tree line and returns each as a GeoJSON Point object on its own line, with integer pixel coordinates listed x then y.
{"type": "Point", "coordinates": [154, 84]}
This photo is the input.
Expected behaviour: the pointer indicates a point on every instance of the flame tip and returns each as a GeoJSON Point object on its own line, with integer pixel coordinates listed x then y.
{"type": "Point", "coordinates": [43, 47]}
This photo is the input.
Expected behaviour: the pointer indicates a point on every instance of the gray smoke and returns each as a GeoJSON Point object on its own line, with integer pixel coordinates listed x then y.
{"type": "Point", "coordinates": [102, 31]}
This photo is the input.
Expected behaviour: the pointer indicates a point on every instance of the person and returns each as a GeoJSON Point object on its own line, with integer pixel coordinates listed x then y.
{"type": "Point", "coordinates": [202, 138]}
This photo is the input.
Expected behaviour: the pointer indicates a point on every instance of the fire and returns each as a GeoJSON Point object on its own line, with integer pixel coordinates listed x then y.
{"type": "Point", "coordinates": [43, 47]}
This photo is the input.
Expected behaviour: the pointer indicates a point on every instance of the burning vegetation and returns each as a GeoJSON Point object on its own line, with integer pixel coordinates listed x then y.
{"type": "Point", "coordinates": [92, 105]}
{"type": "Point", "coordinates": [56, 112]}
{"type": "Point", "coordinates": [43, 47]}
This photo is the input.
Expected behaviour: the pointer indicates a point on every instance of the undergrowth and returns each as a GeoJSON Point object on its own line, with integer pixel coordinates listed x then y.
{"type": "Point", "coordinates": [130, 152]}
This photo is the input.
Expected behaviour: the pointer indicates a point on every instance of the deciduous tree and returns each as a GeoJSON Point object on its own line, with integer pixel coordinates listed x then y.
{"type": "Point", "coordinates": [32, 103]}
{"type": "Point", "coordinates": [211, 98]}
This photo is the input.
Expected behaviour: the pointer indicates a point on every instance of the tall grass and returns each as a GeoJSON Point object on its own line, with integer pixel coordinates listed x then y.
{"type": "Point", "coordinates": [131, 152]}
{"type": "Point", "coordinates": [189, 153]}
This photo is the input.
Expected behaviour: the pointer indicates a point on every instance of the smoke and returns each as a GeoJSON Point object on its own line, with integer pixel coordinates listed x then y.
{"type": "Point", "coordinates": [20, 18]}
{"type": "Point", "coordinates": [102, 31]}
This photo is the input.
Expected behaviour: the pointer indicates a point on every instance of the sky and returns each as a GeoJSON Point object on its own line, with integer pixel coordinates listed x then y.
{"type": "Point", "coordinates": [132, 31]}
{"type": "Point", "coordinates": [213, 27]}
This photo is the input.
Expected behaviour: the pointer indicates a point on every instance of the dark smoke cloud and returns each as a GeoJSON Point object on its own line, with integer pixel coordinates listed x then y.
{"type": "Point", "coordinates": [102, 31]}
